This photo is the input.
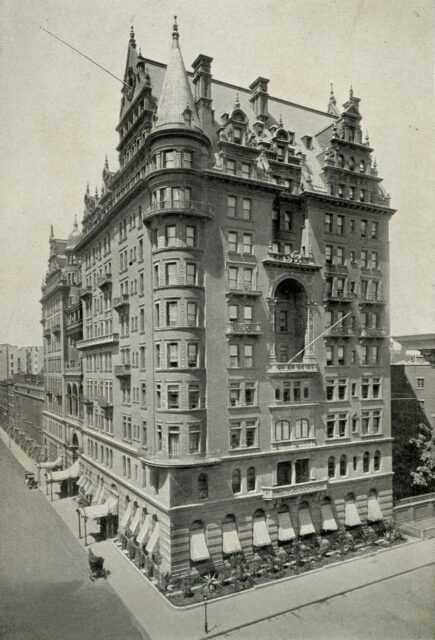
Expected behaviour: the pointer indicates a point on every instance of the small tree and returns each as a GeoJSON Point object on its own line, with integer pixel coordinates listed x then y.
{"type": "Point", "coordinates": [210, 584]}
{"type": "Point", "coordinates": [424, 474]}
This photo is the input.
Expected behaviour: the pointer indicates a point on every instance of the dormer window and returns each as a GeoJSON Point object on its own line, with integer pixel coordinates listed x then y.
{"type": "Point", "coordinates": [362, 166]}
{"type": "Point", "coordinates": [340, 161]}
{"type": "Point", "coordinates": [351, 164]}
{"type": "Point", "coordinates": [340, 191]}
{"type": "Point", "coordinates": [237, 135]}
{"type": "Point", "coordinates": [308, 142]}
{"type": "Point", "coordinates": [231, 167]}
{"type": "Point", "coordinates": [187, 115]}
{"type": "Point", "coordinates": [187, 159]}
{"type": "Point", "coordinates": [280, 151]}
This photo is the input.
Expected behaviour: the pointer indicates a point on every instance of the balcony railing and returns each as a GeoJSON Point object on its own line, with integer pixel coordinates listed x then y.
{"type": "Point", "coordinates": [190, 207]}
{"type": "Point", "coordinates": [73, 368]}
{"type": "Point", "coordinates": [104, 403]}
{"type": "Point", "coordinates": [56, 328]}
{"type": "Point", "coordinates": [121, 301]}
{"type": "Point", "coordinates": [87, 400]}
{"type": "Point", "coordinates": [85, 292]}
{"type": "Point", "coordinates": [288, 368]}
{"type": "Point", "coordinates": [47, 332]}
{"type": "Point", "coordinates": [244, 328]}
{"type": "Point", "coordinates": [373, 298]}
{"type": "Point", "coordinates": [105, 280]}
{"type": "Point", "coordinates": [340, 296]}
{"type": "Point", "coordinates": [293, 260]}
{"type": "Point", "coordinates": [373, 332]}
{"type": "Point", "coordinates": [99, 340]}
{"type": "Point", "coordinates": [174, 458]}
{"type": "Point", "coordinates": [122, 370]}
{"type": "Point", "coordinates": [289, 490]}
{"type": "Point", "coordinates": [340, 332]}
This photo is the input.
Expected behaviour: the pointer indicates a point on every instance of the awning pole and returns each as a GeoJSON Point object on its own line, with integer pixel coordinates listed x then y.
{"type": "Point", "coordinates": [80, 527]}
{"type": "Point", "coordinates": [51, 491]}
{"type": "Point", "coordinates": [85, 519]}
{"type": "Point", "coordinates": [46, 485]}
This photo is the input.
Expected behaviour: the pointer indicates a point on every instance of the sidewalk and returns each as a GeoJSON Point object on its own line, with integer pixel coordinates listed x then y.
{"type": "Point", "coordinates": [162, 621]}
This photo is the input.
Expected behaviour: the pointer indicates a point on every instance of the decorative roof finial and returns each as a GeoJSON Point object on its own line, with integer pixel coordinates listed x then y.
{"type": "Point", "coordinates": [367, 139]}
{"type": "Point", "coordinates": [175, 34]}
{"type": "Point", "coordinates": [88, 191]}
{"type": "Point", "coordinates": [132, 38]}
{"type": "Point", "coordinates": [332, 96]}
{"type": "Point", "coordinates": [375, 164]}
{"type": "Point", "coordinates": [351, 92]}
{"type": "Point", "coordinates": [106, 163]}
{"type": "Point", "coordinates": [237, 102]}
{"type": "Point", "coordinates": [51, 232]}
{"type": "Point", "coordinates": [76, 226]}
{"type": "Point", "coordinates": [96, 192]}
{"type": "Point", "coordinates": [280, 121]}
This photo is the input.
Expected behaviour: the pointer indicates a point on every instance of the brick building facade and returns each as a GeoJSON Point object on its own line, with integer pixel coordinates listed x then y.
{"type": "Point", "coordinates": [234, 290]}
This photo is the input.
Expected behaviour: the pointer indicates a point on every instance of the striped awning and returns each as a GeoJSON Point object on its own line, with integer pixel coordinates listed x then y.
{"type": "Point", "coordinates": [135, 522]}
{"type": "Point", "coordinates": [230, 538]}
{"type": "Point", "coordinates": [153, 542]}
{"type": "Point", "coordinates": [285, 527]}
{"type": "Point", "coordinates": [198, 546]}
{"type": "Point", "coordinates": [126, 518]}
{"type": "Point", "coordinates": [143, 535]}
{"type": "Point", "coordinates": [374, 513]}
{"type": "Point", "coordinates": [261, 536]}
{"type": "Point", "coordinates": [306, 526]}
{"type": "Point", "coordinates": [66, 474]}
{"type": "Point", "coordinates": [328, 520]}
{"type": "Point", "coordinates": [351, 515]}
{"type": "Point", "coordinates": [109, 507]}
{"type": "Point", "coordinates": [52, 464]}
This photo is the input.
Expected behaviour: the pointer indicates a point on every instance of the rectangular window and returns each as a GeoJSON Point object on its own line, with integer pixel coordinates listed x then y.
{"type": "Point", "coordinates": [171, 273]}
{"type": "Point", "coordinates": [251, 433]}
{"type": "Point", "coordinates": [365, 386]}
{"type": "Point", "coordinates": [340, 356]}
{"type": "Point", "coordinates": [329, 356]}
{"type": "Point", "coordinates": [234, 394]}
{"type": "Point", "coordinates": [235, 435]}
{"type": "Point", "coordinates": [248, 276]}
{"type": "Point", "coordinates": [233, 314]}
{"type": "Point", "coordinates": [330, 389]}
{"type": "Point", "coordinates": [246, 170]}
{"type": "Point", "coordinates": [376, 388]}
{"type": "Point", "coordinates": [231, 167]}
{"type": "Point", "coordinates": [232, 241]}
{"type": "Point", "coordinates": [187, 159]}
{"type": "Point", "coordinates": [192, 314]}
{"type": "Point", "coordinates": [168, 159]}
{"type": "Point", "coordinates": [282, 318]}
{"type": "Point", "coordinates": [173, 396]}
{"type": "Point", "coordinates": [330, 426]}
{"type": "Point", "coordinates": [364, 355]}
{"type": "Point", "coordinates": [328, 222]}
{"type": "Point", "coordinates": [342, 389]}
{"type": "Point", "coordinates": [328, 254]}
{"type": "Point", "coordinates": [194, 438]}
{"type": "Point", "coordinates": [193, 396]}
{"type": "Point", "coordinates": [339, 255]}
{"type": "Point", "coordinates": [375, 355]}
{"type": "Point", "coordinates": [342, 425]}
{"type": "Point", "coordinates": [248, 351]}
{"type": "Point", "coordinates": [420, 383]}
{"type": "Point", "coordinates": [363, 228]}
{"type": "Point", "coordinates": [374, 260]}
{"type": "Point", "coordinates": [190, 236]}
{"type": "Point", "coordinates": [191, 272]}
{"type": "Point", "coordinates": [376, 421]}
{"type": "Point", "coordinates": [192, 355]}
{"type": "Point", "coordinates": [364, 258]}
{"type": "Point", "coordinates": [249, 394]}
{"type": "Point", "coordinates": [234, 355]}
{"type": "Point", "coordinates": [247, 243]}
{"type": "Point", "coordinates": [233, 273]}
{"type": "Point", "coordinates": [172, 352]}
{"type": "Point", "coordinates": [247, 313]}
{"type": "Point", "coordinates": [246, 209]}
{"type": "Point", "coordinates": [170, 235]}
{"type": "Point", "coordinates": [143, 394]}
{"type": "Point", "coordinates": [171, 313]}
{"type": "Point", "coordinates": [365, 422]}
{"type": "Point", "coordinates": [340, 225]}
{"type": "Point", "coordinates": [282, 430]}
{"type": "Point", "coordinates": [232, 207]}
{"type": "Point", "coordinates": [375, 228]}
{"type": "Point", "coordinates": [302, 468]}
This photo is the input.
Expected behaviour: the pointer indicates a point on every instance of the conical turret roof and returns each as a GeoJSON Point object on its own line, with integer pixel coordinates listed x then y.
{"type": "Point", "coordinates": [176, 106]}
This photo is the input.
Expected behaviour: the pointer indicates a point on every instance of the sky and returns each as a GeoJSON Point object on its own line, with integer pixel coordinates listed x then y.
{"type": "Point", "coordinates": [59, 114]}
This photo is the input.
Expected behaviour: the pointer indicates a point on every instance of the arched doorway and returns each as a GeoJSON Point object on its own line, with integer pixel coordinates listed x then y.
{"type": "Point", "coordinates": [290, 320]}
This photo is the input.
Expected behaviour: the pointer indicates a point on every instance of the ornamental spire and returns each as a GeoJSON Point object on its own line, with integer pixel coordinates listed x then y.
{"type": "Point", "coordinates": [132, 41]}
{"type": "Point", "coordinates": [175, 34]}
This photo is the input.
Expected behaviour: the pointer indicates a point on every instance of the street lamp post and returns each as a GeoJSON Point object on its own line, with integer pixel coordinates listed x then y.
{"type": "Point", "coordinates": [46, 484]}
{"type": "Point", "coordinates": [85, 519]}
{"type": "Point", "coordinates": [205, 613]}
{"type": "Point", "coordinates": [80, 528]}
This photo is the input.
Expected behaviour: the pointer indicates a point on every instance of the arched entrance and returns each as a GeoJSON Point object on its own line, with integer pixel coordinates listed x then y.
{"type": "Point", "coordinates": [290, 320]}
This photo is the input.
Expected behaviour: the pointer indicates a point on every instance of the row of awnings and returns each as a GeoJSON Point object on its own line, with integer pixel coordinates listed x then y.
{"type": "Point", "coordinates": [286, 532]}
{"type": "Point", "coordinates": [144, 531]}
{"type": "Point", "coordinates": [70, 473]}
{"type": "Point", "coordinates": [51, 464]}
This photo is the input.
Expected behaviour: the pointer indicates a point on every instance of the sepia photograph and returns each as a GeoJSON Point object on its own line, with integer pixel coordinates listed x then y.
{"type": "Point", "coordinates": [217, 320]}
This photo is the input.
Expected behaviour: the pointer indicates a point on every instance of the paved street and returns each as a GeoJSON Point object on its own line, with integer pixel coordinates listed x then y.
{"type": "Point", "coordinates": [398, 608]}
{"type": "Point", "coordinates": [45, 589]}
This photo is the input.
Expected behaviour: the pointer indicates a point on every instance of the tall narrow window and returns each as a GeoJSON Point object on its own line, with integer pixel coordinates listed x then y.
{"type": "Point", "coordinates": [236, 481]}
{"type": "Point", "coordinates": [250, 479]}
{"type": "Point", "coordinates": [232, 207]}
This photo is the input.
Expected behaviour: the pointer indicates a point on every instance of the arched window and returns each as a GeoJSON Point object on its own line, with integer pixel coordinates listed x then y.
{"type": "Point", "coordinates": [282, 430]}
{"type": "Point", "coordinates": [236, 481]}
{"type": "Point", "coordinates": [340, 160]}
{"type": "Point", "coordinates": [377, 461]}
{"type": "Point", "coordinates": [362, 166]}
{"type": "Point", "coordinates": [343, 465]}
{"type": "Point", "coordinates": [302, 428]}
{"type": "Point", "coordinates": [351, 164]}
{"type": "Point", "coordinates": [202, 486]}
{"type": "Point", "coordinates": [250, 478]}
{"type": "Point", "coordinates": [331, 467]}
{"type": "Point", "coordinates": [366, 462]}
{"type": "Point", "coordinates": [124, 466]}
{"type": "Point", "coordinates": [68, 400]}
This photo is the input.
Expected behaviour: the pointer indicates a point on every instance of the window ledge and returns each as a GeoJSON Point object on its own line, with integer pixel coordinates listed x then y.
{"type": "Point", "coordinates": [250, 407]}
{"type": "Point", "coordinates": [371, 435]}
{"type": "Point", "coordinates": [338, 439]}
{"type": "Point", "coordinates": [243, 449]}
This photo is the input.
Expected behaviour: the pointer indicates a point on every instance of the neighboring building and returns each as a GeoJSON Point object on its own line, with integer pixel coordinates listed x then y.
{"type": "Point", "coordinates": [29, 404]}
{"type": "Point", "coordinates": [211, 263]}
{"type": "Point", "coordinates": [15, 360]}
{"type": "Point", "coordinates": [413, 404]}
{"type": "Point", "coordinates": [62, 368]}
